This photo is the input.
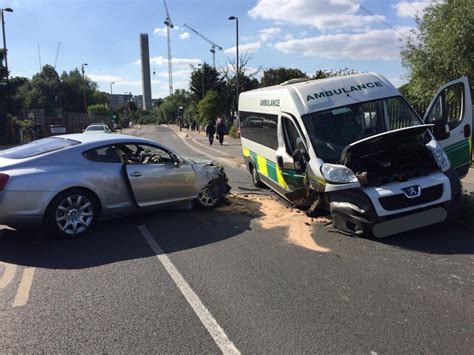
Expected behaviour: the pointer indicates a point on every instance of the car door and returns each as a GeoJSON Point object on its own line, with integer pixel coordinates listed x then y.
{"type": "Point", "coordinates": [293, 177]}
{"type": "Point", "coordinates": [158, 177]}
{"type": "Point", "coordinates": [451, 108]}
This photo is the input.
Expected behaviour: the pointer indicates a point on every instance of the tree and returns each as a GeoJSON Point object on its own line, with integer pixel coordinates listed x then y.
{"type": "Point", "coordinates": [204, 78]}
{"type": "Point", "coordinates": [209, 108]}
{"type": "Point", "coordinates": [441, 49]}
{"type": "Point", "coordinates": [168, 110]}
{"type": "Point", "coordinates": [99, 109]}
{"type": "Point", "coordinates": [280, 75]}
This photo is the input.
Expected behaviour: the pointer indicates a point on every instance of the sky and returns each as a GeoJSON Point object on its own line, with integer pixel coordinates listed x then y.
{"type": "Point", "coordinates": [365, 35]}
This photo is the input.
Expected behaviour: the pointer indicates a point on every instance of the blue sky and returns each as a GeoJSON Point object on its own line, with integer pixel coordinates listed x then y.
{"type": "Point", "coordinates": [306, 34]}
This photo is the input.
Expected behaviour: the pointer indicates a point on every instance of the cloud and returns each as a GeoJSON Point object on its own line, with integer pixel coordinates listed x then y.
{"type": "Point", "coordinates": [322, 14]}
{"type": "Point", "coordinates": [268, 33]}
{"type": "Point", "coordinates": [410, 9]}
{"type": "Point", "coordinates": [162, 31]}
{"type": "Point", "coordinates": [248, 47]}
{"type": "Point", "coordinates": [177, 62]}
{"type": "Point", "coordinates": [104, 78]}
{"type": "Point", "coordinates": [374, 44]}
{"type": "Point", "coordinates": [184, 35]}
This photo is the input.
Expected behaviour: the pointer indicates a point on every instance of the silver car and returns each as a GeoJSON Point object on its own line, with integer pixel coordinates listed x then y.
{"type": "Point", "coordinates": [97, 128]}
{"type": "Point", "coordinates": [69, 182]}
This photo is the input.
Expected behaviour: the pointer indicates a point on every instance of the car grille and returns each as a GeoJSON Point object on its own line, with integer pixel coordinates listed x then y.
{"type": "Point", "coordinates": [399, 201]}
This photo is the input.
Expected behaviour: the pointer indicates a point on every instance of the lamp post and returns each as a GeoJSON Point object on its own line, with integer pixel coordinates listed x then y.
{"type": "Point", "coordinates": [85, 89]}
{"type": "Point", "coordinates": [111, 97]}
{"type": "Point", "coordinates": [8, 9]}
{"type": "Point", "coordinates": [237, 70]}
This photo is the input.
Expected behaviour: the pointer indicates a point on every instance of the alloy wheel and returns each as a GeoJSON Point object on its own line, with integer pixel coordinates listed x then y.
{"type": "Point", "coordinates": [74, 214]}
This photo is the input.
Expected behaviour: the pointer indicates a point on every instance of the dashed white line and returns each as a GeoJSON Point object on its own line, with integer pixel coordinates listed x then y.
{"type": "Point", "coordinates": [206, 318]}
{"type": "Point", "coordinates": [8, 274]}
{"type": "Point", "coordinates": [23, 292]}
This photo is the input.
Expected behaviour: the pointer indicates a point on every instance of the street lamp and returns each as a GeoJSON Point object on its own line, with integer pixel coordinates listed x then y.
{"type": "Point", "coordinates": [85, 92]}
{"type": "Point", "coordinates": [202, 80]}
{"type": "Point", "coordinates": [111, 98]}
{"type": "Point", "coordinates": [237, 61]}
{"type": "Point", "coordinates": [8, 9]}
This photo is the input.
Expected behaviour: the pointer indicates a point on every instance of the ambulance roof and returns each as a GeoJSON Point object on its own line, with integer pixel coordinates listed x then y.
{"type": "Point", "coordinates": [320, 94]}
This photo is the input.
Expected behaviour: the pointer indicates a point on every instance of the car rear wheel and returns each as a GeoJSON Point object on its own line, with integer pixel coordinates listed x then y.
{"type": "Point", "coordinates": [209, 196]}
{"type": "Point", "coordinates": [72, 213]}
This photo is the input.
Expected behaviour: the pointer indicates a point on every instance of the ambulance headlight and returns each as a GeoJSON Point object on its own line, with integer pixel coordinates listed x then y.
{"type": "Point", "coordinates": [441, 158]}
{"type": "Point", "coordinates": [338, 173]}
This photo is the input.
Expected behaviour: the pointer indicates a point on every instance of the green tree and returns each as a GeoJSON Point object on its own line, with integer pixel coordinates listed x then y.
{"type": "Point", "coordinates": [276, 76]}
{"type": "Point", "coordinates": [99, 109]}
{"type": "Point", "coordinates": [210, 107]}
{"type": "Point", "coordinates": [204, 78]}
{"type": "Point", "coordinates": [441, 49]}
{"type": "Point", "coordinates": [169, 108]}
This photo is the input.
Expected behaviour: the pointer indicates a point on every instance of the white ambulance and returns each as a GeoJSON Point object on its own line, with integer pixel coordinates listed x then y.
{"type": "Point", "coordinates": [353, 145]}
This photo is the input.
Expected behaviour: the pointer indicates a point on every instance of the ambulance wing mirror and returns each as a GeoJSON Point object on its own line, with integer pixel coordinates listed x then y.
{"type": "Point", "coordinates": [441, 128]}
{"type": "Point", "coordinates": [300, 159]}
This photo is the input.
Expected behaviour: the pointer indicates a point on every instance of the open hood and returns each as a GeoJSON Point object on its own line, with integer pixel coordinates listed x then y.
{"type": "Point", "coordinates": [387, 141]}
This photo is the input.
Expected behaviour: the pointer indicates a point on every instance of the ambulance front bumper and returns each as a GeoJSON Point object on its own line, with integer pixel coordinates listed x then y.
{"type": "Point", "coordinates": [385, 211]}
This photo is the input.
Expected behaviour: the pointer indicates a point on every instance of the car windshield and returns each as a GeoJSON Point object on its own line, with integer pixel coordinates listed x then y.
{"type": "Point", "coordinates": [95, 128]}
{"type": "Point", "coordinates": [38, 147]}
{"type": "Point", "coordinates": [332, 130]}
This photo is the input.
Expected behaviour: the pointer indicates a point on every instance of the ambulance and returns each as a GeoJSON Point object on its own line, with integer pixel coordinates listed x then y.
{"type": "Point", "coordinates": [354, 147]}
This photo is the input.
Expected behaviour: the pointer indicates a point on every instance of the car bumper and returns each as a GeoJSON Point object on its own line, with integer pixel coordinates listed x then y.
{"type": "Point", "coordinates": [353, 211]}
{"type": "Point", "coordinates": [20, 208]}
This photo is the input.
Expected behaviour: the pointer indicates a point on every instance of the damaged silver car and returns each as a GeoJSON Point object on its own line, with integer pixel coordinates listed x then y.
{"type": "Point", "coordinates": [69, 182]}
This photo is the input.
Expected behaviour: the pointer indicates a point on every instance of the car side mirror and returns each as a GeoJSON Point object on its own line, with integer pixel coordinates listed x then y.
{"type": "Point", "coordinates": [441, 129]}
{"type": "Point", "coordinates": [176, 161]}
{"type": "Point", "coordinates": [299, 160]}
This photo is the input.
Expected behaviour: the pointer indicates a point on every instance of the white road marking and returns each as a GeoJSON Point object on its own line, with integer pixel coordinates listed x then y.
{"type": "Point", "coordinates": [8, 274]}
{"type": "Point", "coordinates": [23, 292]}
{"type": "Point", "coordinates": [206, 318]}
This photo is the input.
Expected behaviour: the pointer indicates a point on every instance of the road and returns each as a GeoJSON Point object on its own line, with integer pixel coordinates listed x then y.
{"type": "Point", "coordinates": [234, 279]}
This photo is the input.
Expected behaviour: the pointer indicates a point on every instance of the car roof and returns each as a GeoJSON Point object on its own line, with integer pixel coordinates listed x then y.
{"type": "Point", "coordinates": [103, 138]}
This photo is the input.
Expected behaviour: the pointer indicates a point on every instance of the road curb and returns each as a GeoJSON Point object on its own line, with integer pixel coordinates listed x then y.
{"type": "Point", "coordinates": [224, 161]}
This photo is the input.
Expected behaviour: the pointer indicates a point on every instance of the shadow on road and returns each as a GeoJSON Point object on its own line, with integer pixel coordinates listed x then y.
{"type": "Point", "coordinates": [438, 239]}
{"type": "Point", "coordinates": [117, 240]}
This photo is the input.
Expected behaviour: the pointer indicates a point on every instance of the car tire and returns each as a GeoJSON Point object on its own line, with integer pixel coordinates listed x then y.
{"type": "Point", "coordinates": [209, 196]}
{"type": "Point", "coordinates": [255, 177]}
{"type": "Point", "coordinates": [72, 213]}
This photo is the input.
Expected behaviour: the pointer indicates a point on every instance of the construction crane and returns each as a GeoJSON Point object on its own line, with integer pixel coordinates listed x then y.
{"type": "Point", "coordinates": [213, 45]}
{"type": "Point", "coordinates": [169, 26]}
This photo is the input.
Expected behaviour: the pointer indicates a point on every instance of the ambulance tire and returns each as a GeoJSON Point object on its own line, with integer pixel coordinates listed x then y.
{"type": "Point", "coordinates": [255, 177]}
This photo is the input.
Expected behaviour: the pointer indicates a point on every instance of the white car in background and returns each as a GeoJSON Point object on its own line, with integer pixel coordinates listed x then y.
{"type": "Point", "coordinates": [97, 128]}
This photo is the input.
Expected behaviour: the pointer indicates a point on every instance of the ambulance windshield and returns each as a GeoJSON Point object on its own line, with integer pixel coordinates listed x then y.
{"type": "Point", "coordinates": [332, 130]}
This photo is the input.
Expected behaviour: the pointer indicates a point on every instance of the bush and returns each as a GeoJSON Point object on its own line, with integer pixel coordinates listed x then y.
{"type": "Point", "coordinates": [233, 132]}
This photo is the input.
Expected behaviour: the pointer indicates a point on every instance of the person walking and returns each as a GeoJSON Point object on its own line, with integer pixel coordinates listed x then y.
{"type": "Point", "coordinates": [221, 130]}
{"type": "Point", "coordinates": [210, 131]}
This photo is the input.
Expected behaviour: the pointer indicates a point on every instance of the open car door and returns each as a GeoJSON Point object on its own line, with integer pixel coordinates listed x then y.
{"type": "Point", "coordinates": [451, 112]}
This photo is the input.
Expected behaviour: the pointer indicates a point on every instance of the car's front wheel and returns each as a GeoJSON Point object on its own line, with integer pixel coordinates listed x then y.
{"type": "Point", "coordinates": [72, 213]}
{"type": "Point", "coordinates": [209, 196]}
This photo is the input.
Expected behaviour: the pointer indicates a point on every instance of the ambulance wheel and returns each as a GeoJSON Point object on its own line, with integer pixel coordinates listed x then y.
{"type": "Point", "coordinates": [255, 177]}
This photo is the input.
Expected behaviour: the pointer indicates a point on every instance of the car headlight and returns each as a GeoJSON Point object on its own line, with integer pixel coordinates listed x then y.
{"type": "Point", "coordinates": [441, 158]}
{"type": "Point", "coordinates": [338, 173]}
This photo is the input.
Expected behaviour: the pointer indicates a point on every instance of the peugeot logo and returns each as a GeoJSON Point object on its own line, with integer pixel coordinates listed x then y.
{"type": "Point", "coordinates": [412, 191]}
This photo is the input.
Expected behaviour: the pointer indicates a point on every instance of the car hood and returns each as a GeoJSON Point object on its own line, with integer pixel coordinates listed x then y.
{"type": "Point", "coordinates": [384, 141]}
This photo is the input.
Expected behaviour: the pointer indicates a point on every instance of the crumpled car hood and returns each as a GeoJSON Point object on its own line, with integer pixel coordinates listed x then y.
{"type": "Point", "coordinates": [384, 141]}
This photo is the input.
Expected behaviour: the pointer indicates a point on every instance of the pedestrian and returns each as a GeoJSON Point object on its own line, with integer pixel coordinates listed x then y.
{"type": "Point", "coordinates": [221, 130]}
{"type": "Point", "coordinates": [210, 131]}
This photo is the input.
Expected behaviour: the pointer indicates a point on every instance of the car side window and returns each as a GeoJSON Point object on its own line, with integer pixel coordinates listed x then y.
{"type": "Point", "coordinates": [449, 104]}
{"type": "Point", "coordinates": [103, 155]}
{"type": "Point", "coordinates": [292, 137]}
{"type": "Point", "coordinates": [144, 154]}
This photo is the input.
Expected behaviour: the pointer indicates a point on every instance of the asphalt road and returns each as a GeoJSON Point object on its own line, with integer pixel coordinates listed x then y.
{"type": "Point", "coordinates": [221, 281]}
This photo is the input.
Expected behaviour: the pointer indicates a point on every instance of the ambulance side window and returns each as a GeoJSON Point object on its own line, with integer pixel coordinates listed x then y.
{"type": "Point", "coordinates": [292, 137]}
{"type": "Point", "coordinates": [449, 105]}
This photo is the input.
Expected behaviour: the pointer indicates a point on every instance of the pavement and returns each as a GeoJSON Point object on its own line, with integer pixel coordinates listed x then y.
{"type": "Point", "coordinates": [230, 280]}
